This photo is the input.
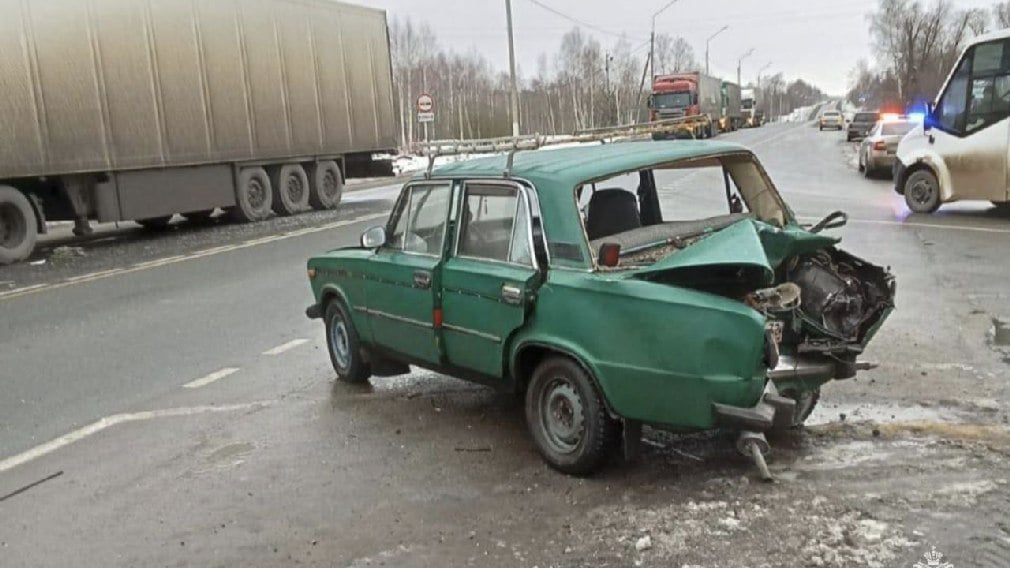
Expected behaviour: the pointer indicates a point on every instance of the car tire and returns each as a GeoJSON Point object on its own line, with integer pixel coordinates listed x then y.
{"type": "Point", "coordinates": [922, 191]}
{"type": "Point", "coordinates": [867, 170]}
{"type": "Point", "coordinates": [861, 166]}
{"type": "Point", "coordinates": [19, 228]}
{"type": "Point", "coordinates": [568, 419]}
{"type": "Point", "coordinates": [344, 345]}
{"type": "Point", "coordinates": [253, 196]}
{"type": "Point", "coordinates": [291, 189]}
{"type": "Point", "coordinates": [326, 185]}
{"type": "Point", "coordinates": [155, 223]}
{"type": "Point", "coordinates": [1002, 207]}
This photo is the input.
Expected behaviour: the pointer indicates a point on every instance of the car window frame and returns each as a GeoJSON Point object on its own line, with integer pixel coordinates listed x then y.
{"type": "Point", "coordinates": [968, 56]}
{"type": "Point", "coordinates": [401, 204]}
{"type": "Point", "coordinates": [522, 194]}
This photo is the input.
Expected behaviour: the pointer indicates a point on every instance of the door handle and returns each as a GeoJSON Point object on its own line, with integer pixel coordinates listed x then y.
{"type": "Point", "coordinates": [511, 294]}
{"type": "Point", "coordinates": [422, 279]}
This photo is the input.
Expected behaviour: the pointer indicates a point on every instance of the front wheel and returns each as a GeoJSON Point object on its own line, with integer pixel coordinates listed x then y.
{"type": "Point", "coordinates": [343, 345]}
{"type": "Point", "coordinates": [568, 419]}
{"type": "Point", "coordinates": [922, 192]}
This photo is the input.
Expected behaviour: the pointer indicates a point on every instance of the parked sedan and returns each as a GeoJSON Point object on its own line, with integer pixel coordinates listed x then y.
{"type": "Point", "coordinates": [861, 125]}
{"type": "Point", "coordinates": [877, 151]}
{"type": "Point", "coordinates": [568, 276]}
{"type": "Point", "coordinates": [831, 119]}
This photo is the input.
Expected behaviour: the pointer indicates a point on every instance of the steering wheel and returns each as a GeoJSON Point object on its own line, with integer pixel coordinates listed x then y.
{"type": "Point", "coordinates": [832, 221]}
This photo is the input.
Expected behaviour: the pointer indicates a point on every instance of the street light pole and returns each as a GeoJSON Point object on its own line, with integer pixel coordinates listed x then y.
{"type": "Point", "coordinates": [762, 70]}
{"type": "Point", "coordinates": [707, 41]}
{"type": "Point", "coordinates": [652, 38]}
{"type": "Point", "coordinates": [514, 91]}
{"type": "Point", "coordinates": [739, 62]}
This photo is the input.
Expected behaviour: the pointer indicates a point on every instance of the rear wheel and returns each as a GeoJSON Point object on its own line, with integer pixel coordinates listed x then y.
{"type": "Point", "coordinates": [155, 223]}
{"type": "Point", "coordinates": [18, 226]}
{"type": "Point", "coordinates": [253, 195]}
{"type": "Point", "coordinates": [1002, 206]}
{"type": "Point", "coordinates": [343, 345]}
{"type": "Point", "coordinates": [568, 419]}
{"type": "Point", "coordinates": [290, 189]}
{"type": "Point", "coordinates": [922, 191]}
{"type": "Point", "coordinates": [326, 185]}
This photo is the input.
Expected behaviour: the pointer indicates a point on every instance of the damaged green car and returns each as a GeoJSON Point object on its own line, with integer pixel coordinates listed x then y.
{"type": "Point", "coordinates": [615, 285]}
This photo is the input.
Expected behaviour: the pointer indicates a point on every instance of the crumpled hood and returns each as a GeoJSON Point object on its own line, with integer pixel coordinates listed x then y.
{"type": "Point", "coordinates": [738, 245]}
{"type": "Point", "coordinates": [749, 244]}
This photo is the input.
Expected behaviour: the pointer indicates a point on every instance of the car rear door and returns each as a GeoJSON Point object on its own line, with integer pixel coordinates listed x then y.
{"type": "Point", "coordinates": [487, 281]}
{"type": "Point", "coordinates": [400, 286]}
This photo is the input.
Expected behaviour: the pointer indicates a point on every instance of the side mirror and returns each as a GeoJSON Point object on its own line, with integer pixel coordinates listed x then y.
{"type": "Point", "coordinates": [648, 102]}
{"type": "Point", "coordinates": [929, 119]}
{"type": "Point", "coordinates": [373, 238]}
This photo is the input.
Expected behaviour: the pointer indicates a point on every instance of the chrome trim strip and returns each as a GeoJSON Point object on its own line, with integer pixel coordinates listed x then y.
{"type": "Point", "coordinates": [394, 317]}
{"type": "Point", "coordinates": [473, 332]}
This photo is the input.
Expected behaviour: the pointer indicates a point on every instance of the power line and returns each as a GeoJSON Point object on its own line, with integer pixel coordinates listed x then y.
{"type": "Point", "coordinates": [579, 22]}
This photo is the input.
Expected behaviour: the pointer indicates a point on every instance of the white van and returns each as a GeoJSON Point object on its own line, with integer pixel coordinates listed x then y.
{"type": "Point", "coordinates": [961, 150]}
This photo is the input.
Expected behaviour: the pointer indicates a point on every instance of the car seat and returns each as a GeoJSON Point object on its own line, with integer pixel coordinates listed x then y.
{"type": "Point", "coordinates": [611, 211]}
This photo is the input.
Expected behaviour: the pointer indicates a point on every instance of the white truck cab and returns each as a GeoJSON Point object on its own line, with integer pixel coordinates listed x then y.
{"type": "Point", "coordinates": [961, 150]}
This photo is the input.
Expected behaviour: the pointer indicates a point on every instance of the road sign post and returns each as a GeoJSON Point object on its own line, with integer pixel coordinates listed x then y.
{"type": "Point", "coordinates": [425, 112]}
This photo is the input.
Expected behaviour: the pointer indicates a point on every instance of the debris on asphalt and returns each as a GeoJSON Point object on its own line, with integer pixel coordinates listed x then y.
{"type": "Point", "coordinates": [644, 543]}
{"type": "Point", "coordinates": [67, 252]}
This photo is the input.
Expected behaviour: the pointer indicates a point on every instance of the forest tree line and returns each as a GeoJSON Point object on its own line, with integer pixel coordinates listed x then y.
{"type": "Point", "coordinates": [915, 44]}
{"type": "Point", "coordinates": [583, 84]}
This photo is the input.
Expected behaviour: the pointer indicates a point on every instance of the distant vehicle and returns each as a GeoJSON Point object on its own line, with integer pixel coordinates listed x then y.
{"type": "Point", "coordinates": [493, 271]}
{"type": "Point", "coordinates": [861, 124]}
{"type": "Point", "coordinates": [115, 110]}
{"type": "Point", "coordinates": [877, 151]}
{"type": "Point", "coordinates": [732, 112]}
{"type": "Point", "coordinates": [831, 119]}
{"type": "Point", "coordinates": [960, 152]}
{"type": "Point", "coordinates": [753, 118]}
{"type": "Point", "coordinates": [691, 95]}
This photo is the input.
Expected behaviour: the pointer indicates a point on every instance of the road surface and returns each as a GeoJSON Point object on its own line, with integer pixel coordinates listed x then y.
{"type": "Point", "coordinates": [167, 403]}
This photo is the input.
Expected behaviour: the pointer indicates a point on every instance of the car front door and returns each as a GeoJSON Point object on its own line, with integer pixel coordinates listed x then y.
{"type": "Point", "coordinates": [400, 287]}
{"type": "Point", "coordinates": [973, 123]}
{"type": "Point", "coordinates": [487, 282]}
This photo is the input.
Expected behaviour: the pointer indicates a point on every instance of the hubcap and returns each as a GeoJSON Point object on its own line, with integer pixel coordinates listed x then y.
{"type": "Point", "coordinates": [257, 193]}
{"type": "Point", "coordinates": [921, 191]}
{"type": "Point", "coordinates": [339, 342]}
{"type": "Point", "coordinates": [562, 415]}
{"type": "Point", "coordinates": [295, 188]}
{"type": "Point", "coordinates": [13, 227]}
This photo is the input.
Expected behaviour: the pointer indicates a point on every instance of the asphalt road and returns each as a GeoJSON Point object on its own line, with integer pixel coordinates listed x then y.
{"type": "Point", "coordinates": [175, 407]}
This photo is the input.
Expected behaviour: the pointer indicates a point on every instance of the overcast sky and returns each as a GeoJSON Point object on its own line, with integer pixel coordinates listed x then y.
{"type": "Point", "coordinates": [817, 40]}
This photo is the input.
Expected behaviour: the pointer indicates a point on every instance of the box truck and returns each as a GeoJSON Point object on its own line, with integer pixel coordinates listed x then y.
{"type": "Point", "coordinates": [115, 110]}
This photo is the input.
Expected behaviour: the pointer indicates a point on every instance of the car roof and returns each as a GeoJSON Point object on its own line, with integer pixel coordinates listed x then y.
{"type": "Point", "coordinates": [563, 169]}
{"type": "Point", "coordinates": [557, 172]}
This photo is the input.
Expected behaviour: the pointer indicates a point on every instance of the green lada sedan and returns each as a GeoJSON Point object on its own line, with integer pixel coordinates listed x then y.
{"type": "Point", "coordinates": [614, 285]}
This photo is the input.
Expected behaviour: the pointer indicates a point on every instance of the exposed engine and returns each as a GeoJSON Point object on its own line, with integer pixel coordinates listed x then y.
{"type": "Point", "coordinates": [842, 294]}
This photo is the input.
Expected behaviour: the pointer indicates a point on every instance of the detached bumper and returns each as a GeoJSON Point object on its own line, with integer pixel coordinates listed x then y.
{"type": "Point", "coordinates": [315, 311]}
{"type": "Point", "coordinates": [772, 408]}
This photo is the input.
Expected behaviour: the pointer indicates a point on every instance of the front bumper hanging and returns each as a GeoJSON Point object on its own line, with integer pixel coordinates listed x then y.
{"type": "Point", "coordinates": [771, 409]}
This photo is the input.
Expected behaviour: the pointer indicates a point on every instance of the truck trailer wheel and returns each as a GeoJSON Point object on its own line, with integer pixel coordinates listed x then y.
{"type": "Point", "coordinates": [291, 189]}
{"type": "Point", "coordinates": [18, 226]}
{"type": "Point", "coordinates": [327, 185]}
{"type": "Point", "coordinates": [253, 196]}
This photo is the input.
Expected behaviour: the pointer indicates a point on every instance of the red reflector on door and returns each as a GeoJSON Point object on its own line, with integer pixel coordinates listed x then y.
{"type": "Point", "coordinates": [436, 317]}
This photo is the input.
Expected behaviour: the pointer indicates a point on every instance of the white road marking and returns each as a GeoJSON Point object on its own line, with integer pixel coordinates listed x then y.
{"type": "Point", "coordinates": [920, 225]}
{"type": "Point", "coordinates": [18, 292]}
{"type": "Point", "coordinates": [211, 378]}
{"type": "Point", "coordinates": [285, 347]}
{"type": "Point", "coordinates": [110, 421]}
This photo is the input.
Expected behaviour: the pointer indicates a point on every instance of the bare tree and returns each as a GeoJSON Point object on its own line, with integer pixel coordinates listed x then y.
{"type": "Point", "coordinates": [1001, 13]}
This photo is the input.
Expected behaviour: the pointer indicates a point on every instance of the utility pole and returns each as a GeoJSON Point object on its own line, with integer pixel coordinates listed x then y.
{"type": "Point", "coordinates": [514, 93]}
{"type": "Point", "coordinates": [707, 41]}
{"type": "Point", "coordinates": [739, 62]}
{"type": "Point", "coordinates": [652, 38]}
